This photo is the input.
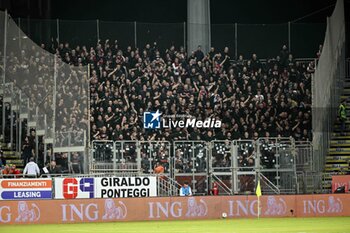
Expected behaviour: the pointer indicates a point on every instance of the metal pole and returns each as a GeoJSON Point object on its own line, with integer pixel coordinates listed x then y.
{"type": "Point", "coordinates": [278, 156]}
{"type": "Point", "coordinates": [45, 153]}
{"type": "Point", "coordinates": [257, 159]}
{"type": "Point", "coordinates": [69, 153]}
{"type": "Point", "coordinates": [115, 156]}
{"type": "Point", "coordinates": [184, 36]}
{"type": "Point", "coordinates": [289, 41]}
{"type": "Point", "coordinates": [98, 29]}
{"type": "Point", "coordinates": [210, 166]}
{"type": "Point", "coordinates": [234, 164]}
{"type": "Point", "coordinates": [194, 190]}
{"type": "Point", "coordinates": [4, 75]}
{"type": "Point", "coordinates": [36, 136]}
{"type": "Point", "coordinates": [58, 31]}
{"type": "Point", "coordinates": [12, 115]}
{"type": "Point", "coordinates": [46, 134]}
{"type": "Point", "coordinates": [20, 124]}
{"type": "Point", "coordinates": [172, 158]}
{"type": "Point", "coordinates": [28, 128]}
{"type": "Point", "coordinates": [54, 102]}
{"type": "Point", "coordinates": [209, 28]}
{"type": "Point", "coordinates": [87, 135]}
{"type": "Point", "coordinates": [138, 153]}
{"type": "Point", "coordinates": [236, 42]}
{"type": "Point", "coordinates": [18, 120]}
{"type": "Point", "coordinates": [135, 34]}
{"type": "Point", "coordinates": [85, 164]}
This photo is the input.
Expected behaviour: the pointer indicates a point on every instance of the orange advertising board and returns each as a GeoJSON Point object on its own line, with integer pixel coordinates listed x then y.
{"type": "Point", "coordinates": [171, 208]}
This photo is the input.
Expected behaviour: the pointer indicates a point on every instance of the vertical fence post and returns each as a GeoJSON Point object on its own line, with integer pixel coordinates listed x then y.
{"type": "Point", "coordinates": [19, 123]}
{"type": "Point", "coordinates": [234, 167]}
{"type": "Point", "coordinates": [135, 34]}
{"type": "Point", "coordinates": [257, 159]}
{"type": "Point", "coordinates": [88, 142]}
{"type": "Point", "coordinates": [54, 100]}
{"type": "Point", "coordinates": [12, 115]}
{"type": "Point", "coordinates": [138, 154]}
{"type": "Point", "coordinates": [69, 153]}
{"type": "Point", "coordinates": [115, 156]}
{"type": "Point", "coordinates": [4, 75]}
{"type": "Point", "coordinates": [18, 120]}
{"type": "Point", "coordinates": [185, 36]}
{"type": "Point", "coordinates": [58, 31]}
{"type": "Point", "coordinates": [194, 181]}
{"type": "Point", "coordinates": [289, 41]}
{"type": "Point", "coordinates": [98, 29]}
{"type": "Point", "coordinates": [209, 27]}
{"type": "Point", "coordinates": [236, 42]}
{"type": "Point", "coordinates": [36, 135]}
{"type": "Point", "coordinates": [44, 137]}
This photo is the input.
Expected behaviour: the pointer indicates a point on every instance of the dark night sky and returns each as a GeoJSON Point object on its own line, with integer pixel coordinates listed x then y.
{"type": "Point", "coordinates": [222, 11]}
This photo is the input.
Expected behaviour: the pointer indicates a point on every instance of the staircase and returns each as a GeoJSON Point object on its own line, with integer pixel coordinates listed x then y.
{"type": "Point", "coordinates": [167, 186]}
{"type": "Point", "coordinates": [12, 157]}
{"type": "Point", "coordinates": [338, 158]}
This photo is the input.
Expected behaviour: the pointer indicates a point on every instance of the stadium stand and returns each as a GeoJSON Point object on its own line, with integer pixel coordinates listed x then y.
{"type": "Point", "coordinates": [264, 103]}
{"type": "Point", "coordinates": [253, 99]}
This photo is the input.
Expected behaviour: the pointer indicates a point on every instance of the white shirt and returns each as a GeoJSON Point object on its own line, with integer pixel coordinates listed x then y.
{"type": "Point", "coordinates": [31, 169]}
{"type": "Point", "coordinates": [185, 191]}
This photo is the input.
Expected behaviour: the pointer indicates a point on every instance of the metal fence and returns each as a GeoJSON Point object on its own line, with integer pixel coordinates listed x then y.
{"type": "Point", "coordinates": [264, 39]}
{"type": "Point", "coordinates": [48, 94]}
{"type": "Point", "coordinates": [328, 82]}
{"type": "Point", "coordinates": [232, 165]}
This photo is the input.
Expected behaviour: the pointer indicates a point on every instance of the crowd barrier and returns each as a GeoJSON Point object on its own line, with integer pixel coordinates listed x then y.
{"type": "Point", "coordinates": [171, 208]}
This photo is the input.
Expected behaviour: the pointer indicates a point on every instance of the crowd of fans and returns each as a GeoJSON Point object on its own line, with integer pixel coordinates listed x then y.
{"type": "Point", "coordinates": [251, 98]}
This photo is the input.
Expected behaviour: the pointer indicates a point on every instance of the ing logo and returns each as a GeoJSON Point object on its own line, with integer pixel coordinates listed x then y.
{"type": "Point", "coordinates": [151, 120]}
{"type": "Point", "coordinates": [27, 213]}
{"type": "Point", "coordinates": [275, 206]}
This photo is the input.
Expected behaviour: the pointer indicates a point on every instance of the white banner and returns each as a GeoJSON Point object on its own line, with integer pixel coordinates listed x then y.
{"type": "Point", "coordinates": [21, 189]}
{"type": "Point", "coordinates": [105, 187]}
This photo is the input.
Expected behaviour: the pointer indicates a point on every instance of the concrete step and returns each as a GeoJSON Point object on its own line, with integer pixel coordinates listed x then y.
{"type": "Point", "coordinates": [337, 129]}
{"type": "Point", "coordinates": [339, 151]}
{"type": "Point", "coordinates": [346, 91]}
{"type": "Point", "coordinates": [339, 165]}
{"type": "Point", "coordinates": [6, 152]}
{"type": "Point", "coordinates": [340, 137]}
{"type": "Point", "coordinates": [336, 161]}
{"type": "Point", "coordinates": [19, 163]}
{"type": "Point", "coordinates": [337, 157]}
{"type": "Point", "coordinates": [338, 169]}
{"type": "Point", "coordinates": [340, 143]}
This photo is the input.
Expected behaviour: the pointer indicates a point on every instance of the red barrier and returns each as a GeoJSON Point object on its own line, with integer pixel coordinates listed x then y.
{"type": "Point", "coordinates": [171, 208]}
{"type": "Point", "coordinates": [339, 181]}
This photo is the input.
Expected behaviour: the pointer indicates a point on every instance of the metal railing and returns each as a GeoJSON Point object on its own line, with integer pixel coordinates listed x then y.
{"type": "Point", "coordinates": [236, 36]}
{"type": "Point", "coordinates": [221, 185]}
{"type": "Point", "coordinates": [268, 186]}
{"type": "Point", "coordinates": [233, 165]}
